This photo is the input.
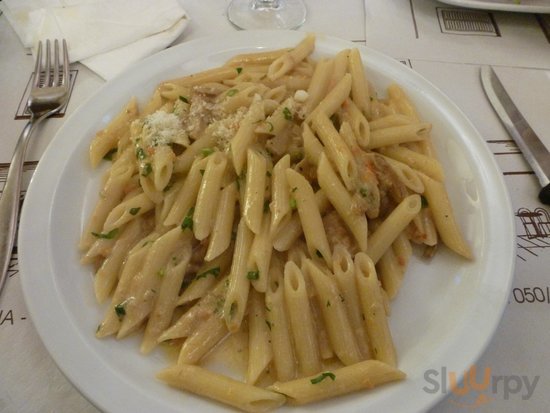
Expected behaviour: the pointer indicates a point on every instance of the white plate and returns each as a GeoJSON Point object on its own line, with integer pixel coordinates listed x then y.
{"type": "Point", "coordinates": [444, 316]}
{"type": "Point", "coordinates": [524, 6]}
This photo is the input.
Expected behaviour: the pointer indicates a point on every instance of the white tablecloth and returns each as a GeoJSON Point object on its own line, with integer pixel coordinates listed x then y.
{"type": "Point", "coordinates": [446, 45]}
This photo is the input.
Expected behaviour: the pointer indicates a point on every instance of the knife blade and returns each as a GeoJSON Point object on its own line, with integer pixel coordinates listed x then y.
{"type": "Point", "coordinates": [525, 137]}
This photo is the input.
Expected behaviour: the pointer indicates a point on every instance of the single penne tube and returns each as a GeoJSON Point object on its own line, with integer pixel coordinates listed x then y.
{"type": "Point", "coordinates": [385, 234]}
{"type": "Point", "coordinates": [260, 256]}
{"type": "Point", "coordinates": [312, 146]}
{"type": "Point", "coordinates": [170, 195]}
{"type": "Point", "coordinates": [106, 277]}
{"type": "Point", "coordinates": [277, 121]}
{"type": "Point", "coordinates": [340, 67]}
{"type": "Point", "coordinates": [301, 320]}
{"type": "Point", "coordinates": [288, 61]}
{"type": "Point", "coordinates": [342, 201]}
{"type": "Point", "coordinates": [106, 139]}
{"type": "Point", "coordinates": [172, 91]}
{"type": "Point", "coordinates": [148, 186]}
{"type": "Point", "coordinates": [187, 195]}
{"type": "Point", "coordinates": [128, 210]}
{"type": "Point", "coordinates": [131, 267]}
{"type": "Point", "coordinates": [220, 238]}
{"type": "Point", "coordinates": [407, 175]}
{"type": "Point", "coordinates": [209, 305]}
{"type": "Point", "coordinates": [359, 87]}
{"type": "Point", "coordinates": [291, 230]}
{"type": "Point", "coordinates": [443, 216]}
{"type": "Point", "coordinates": [344, 275]}
{"type": "Point", "coordinates": [402, 249]}
{"type": "Point", "coordinates": [215, 386]}
{"type": "Point", "coordinates": [216, 74]}
{"type": "Point", "coordinates": [425, 164]}
{"type": "Point", "coordinates": [145, 285]}
{"type": "Point", "coordinates": [278, 322]}
{"type": "Point", "coordinates": [254, 192]}
{"type": "Point", "coordinates": [260, 352]}
{"type": "Point", "coordinates": [390, 273]}
{"type": "Point", "coordinates": [399, 134]}
{"type": "Point", "coordinates": [241, 95]}
{"type": "Point", "coordinates": [336, 149]}
{"type": "Point", "coordinates": [310, 216]}
{"type": "Point", "coordinates": [206, 336]}
{"type": "Point", "coordinates": [206, 277]}
{"type": "Point", "coordinates": [358, 122]}
{"type": "Point", "coordinates": [388, 121]}
{"type": "Point", "coordinates": [328, 384]}
{"type": "Point", "coordinates": [183, 162]}
{"type": "Point", "coordinates": [112, 193]}
{"type": "Point", "coordinates": [280, 195]}
{"type": "Point", "coordinates": [320, 82]}
{"type": "Point", "coordinates": [372, 301]}
{"type": "Point", "coordinates": [339, 330]}
{"type": "Point", "coordinates": [162, 165]}
{"type": "Point", "coordinates": [335, 98]}
{"type": "Point", "coordinates": [401, 102]}
{"type": "Point", "coordinates": [256, 58]}
{"type": "Point", "coordinates": [208, 195]}
{"type": "Point", "coordinates": [245, 135]}
{"type": "Point", "coordinates": [161, 315]}
{"type": "Point", "coordinates": [239, 284]}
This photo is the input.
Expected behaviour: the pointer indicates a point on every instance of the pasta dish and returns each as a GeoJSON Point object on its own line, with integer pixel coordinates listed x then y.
{"type": "Point", "coordinates": [278, 199]}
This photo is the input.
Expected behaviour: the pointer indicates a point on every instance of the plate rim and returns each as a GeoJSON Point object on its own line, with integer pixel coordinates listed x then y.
{"type": "Point", "coordinates": [500, 6]}
{"type": "Point", "coordinates": [41, 171]}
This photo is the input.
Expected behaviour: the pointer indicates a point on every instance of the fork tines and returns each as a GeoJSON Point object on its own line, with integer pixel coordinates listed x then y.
{"type": "Point", "coordinates": [44, 74]}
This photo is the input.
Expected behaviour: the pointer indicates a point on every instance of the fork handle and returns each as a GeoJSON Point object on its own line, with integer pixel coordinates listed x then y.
{"type": "Point", "coordinates": [9, 201]}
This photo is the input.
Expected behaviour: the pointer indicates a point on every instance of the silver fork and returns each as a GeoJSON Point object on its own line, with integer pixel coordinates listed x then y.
{"type": "Point", "coordinates": [49, 94]}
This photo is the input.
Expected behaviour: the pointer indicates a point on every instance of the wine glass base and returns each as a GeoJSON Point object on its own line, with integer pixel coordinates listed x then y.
{"type": "Point", "coordinates": [284, 14]}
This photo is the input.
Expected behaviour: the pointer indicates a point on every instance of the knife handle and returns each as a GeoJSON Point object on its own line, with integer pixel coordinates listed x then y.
{"type": "Point", "coordinates": [544, 195]}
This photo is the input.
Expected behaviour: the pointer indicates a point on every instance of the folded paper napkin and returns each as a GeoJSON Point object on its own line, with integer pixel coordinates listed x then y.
{"type": "Point", "coordinates": [105, 35]}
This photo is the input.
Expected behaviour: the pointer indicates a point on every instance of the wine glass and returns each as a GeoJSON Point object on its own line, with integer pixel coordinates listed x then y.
{"type": "Point", "coordinates": [267, 14]}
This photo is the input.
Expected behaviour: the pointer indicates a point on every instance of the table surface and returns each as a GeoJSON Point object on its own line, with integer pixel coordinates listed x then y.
{"type": "Point", "coordinates": [445, 44]}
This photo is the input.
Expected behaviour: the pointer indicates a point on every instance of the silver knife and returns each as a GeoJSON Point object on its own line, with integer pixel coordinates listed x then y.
{"type": "Point", "coordinates": [525, 137]}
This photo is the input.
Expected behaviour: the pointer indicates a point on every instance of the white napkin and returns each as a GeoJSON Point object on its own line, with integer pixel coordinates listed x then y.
{"type": "Point", "coordinates": [105, 35]}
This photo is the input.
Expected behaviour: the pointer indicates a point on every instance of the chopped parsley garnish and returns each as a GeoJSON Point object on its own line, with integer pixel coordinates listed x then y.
{"type": "Point", "coordinates": [363, 192]}
{"type": "Point", "coordinates": [423, 201]}
{"type": "Point", "coordinates": [120, 310]}
{"type": "Point", "coordinates": [323, 376]}
{"type": "Point", "coordinates": [106, 235]}
{"type": "Point", "coordinates": [232, 92]}
{"type": "Point", "coordinates": [214, 271]}
{"type": "Point", "coordinates": [161, 273]}
{"type": "Point", "coordinates": [318, 253]}
{"type": "Point", "coordinates": [184, 99]}
{"type": "Point", "coordinates": [134, 211]}
{"type": "Point", "coordinates": [140, 154]}
{"type": "Point", "coordinates": [271, 127]}
{"type": "Point", "coordinates": [293, 203]}
{"type": "Point", "coordinates": [206, 152]}
{"type": "Point", "coordinates": [188, 220]}
{"type": "Point", "coordinates": [253, 275]}
{"type": "Point", "coordinates": [146, 169]}
{"type": "Point", "coordinates": [268, 324]}
{"type": "Point", "coordinates": [109, 155]}
{"type": "Point", "coordinates": [287, 114]}
{"type": "Point", "coordinates": [201, 171]}
{"type": "Point", "coordinates": [239, 70]}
